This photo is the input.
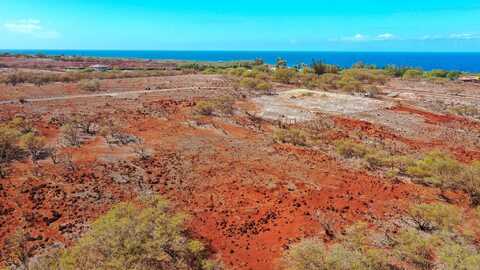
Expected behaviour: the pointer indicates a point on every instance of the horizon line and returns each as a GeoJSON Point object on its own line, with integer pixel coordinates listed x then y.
{"type": "Point", "coordinates": [176, 50]}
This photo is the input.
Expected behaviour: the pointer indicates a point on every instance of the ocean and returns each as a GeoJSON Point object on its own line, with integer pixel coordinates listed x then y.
{"type": "Point", "coordinates": [469, 62]}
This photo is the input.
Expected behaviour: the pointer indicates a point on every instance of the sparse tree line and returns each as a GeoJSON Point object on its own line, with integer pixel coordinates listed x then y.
{"type": "Point", "coordinates": [19, 139]}
{"type": "Point", "coordinates": [360, 78]}
{"type": "Point", "coordinates": [85, 78]}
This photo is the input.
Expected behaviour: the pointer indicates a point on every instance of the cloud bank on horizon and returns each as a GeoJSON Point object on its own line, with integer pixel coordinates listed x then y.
{"type": "Point", "coordinates": [31, 27]}
{"type": "Point", "coordinates": [217, 25]}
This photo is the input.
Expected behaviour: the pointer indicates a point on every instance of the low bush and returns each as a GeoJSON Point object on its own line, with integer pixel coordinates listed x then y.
{"type": "Point", "coordinates": [413, 74]}
{"type": "Point", "coordinates": [249, 83]}
{"type": "Point", "coordinates": [136, 236]}
{"type": "Point", "coordinates": [318, 67]}
{"type": "Point", "coordinates": [204, 107]}
{"type": "Point", "coordinates": [89, 85]}
{"type": "Point", "coordinates": [431, 217]}
{"type": "Point", "coordinates": [327, 81]}
{"type": "Point", "coordinates": [255, 84]}
{"type": "Point", "coordinates": [285, 75]}
{"type": "Point", "coordinates": [353, 251]}
{"type": "Point", "coordinates": [350, 149]}
{"type": "Point", "coordinates": [436, 168]}
{"type": "Point", "coordinates": [453, 75]}
{"type": "Point", "coordinates": [264, 86]}
{"type": "Point", "coordinates": [222, 105]}
{"type": "Point", "coordinates": [312, 254]}
{"type": "Point", "coordinates": [350, 85]}
{"type": "Point", "coordinates": [437, 73]}
{"type": "Point", "coordinates": [34, 144]}
{"type": "Point", "coordinates": [18, 139]}
{"type": "Point", "coordinates": [466, 110]}
{"type": "Point", "coordinates": [9, 148]}
{"type": "Point", "coordinates": [361, 247]}
{"type": "Point", "coordinates": [366, 76]}
{"type": "Point", "coordinates": [71, 134]}
{"type": "Point", "coordinates": [395, 71]}
{"type": "Point", "coordinates": [290, 135]}
{"type": "Point", "coordinates": [441, 170]}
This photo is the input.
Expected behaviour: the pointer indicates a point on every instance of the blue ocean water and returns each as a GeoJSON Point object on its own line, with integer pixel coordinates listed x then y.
{"type": "Point", "coordinates": [427, 60]}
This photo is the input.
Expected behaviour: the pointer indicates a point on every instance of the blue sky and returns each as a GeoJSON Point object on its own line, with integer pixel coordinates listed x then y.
{"type": "Point", "coordinates": [348, 25]}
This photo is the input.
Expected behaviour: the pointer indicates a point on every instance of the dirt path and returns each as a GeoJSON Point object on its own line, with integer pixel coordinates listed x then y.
{"type": "Point", "coordinates": [109, 94]}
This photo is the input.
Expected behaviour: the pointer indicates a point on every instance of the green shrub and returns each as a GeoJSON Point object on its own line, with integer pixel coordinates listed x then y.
{"type": "Point", "coordinates": [334, 69]}
{"type": "Point", "coordinates": [453, 75]}
{"type": "Point", "coordinates": [255, 84]}
{"type": "Point", "coordinates": [350, 149]}
{"type": "Point", "coordinates": [430, 217]}
{"type": "Point", "coordinates": [350, 85]}
{"type": "Point", "coordinates": [311, 254]}
{"type": "Point", "coordinates": [437, 73]}
{"type": "Point", "coordinates": [137, 237]}
{"type": "Point", "coordinates": [466, 110]}
{"type": "Point", "coordinates": [453, 256]}
{"type": "Point", "coordinates": [368, 76]}
{"type": "Point", "coordinates": [413, 248]}
{"type": "Point", "coordinates": [394, 71]}
{"type": "Point", "coordinates": [264, 86]}
{"type": "Point", "coordinates": [223, 105]}
{"type": "Point", "coordinates": [204, 107]}
{"type": "Point", "coordinates": [90, 85]}
{"type": "Point", "coordinates": [34, 144]}
{"type": "Point", "coordinates": [249, 83]}
{"type": "Point", "coordinates": [378, 159]}
{"type": "Point", "coordinates": [9, 148]}
{"type": "Point", "coordinates": [285, 75]}
{"type": "Point", "coordinates": [441, 170]}
{"type": "Point", "coordinates": [262, 76]}
{"type": "Point", "coordinates": [413, 74]}
{"type": "Point", "coordinates": [237, 71]}
{"type": "Point", "coordinates": [211, 70]}
{"type": "Point", "coordinates": [436, 168]}
{"type": "Point", "coordinates": [327, 81]}
{"type": "Point", "coordinates": [318, 67]}
{"type": "Point", "coordinates": [290, 135]}
{"type": "Point", "coordinates": [360, 247]}
{"type": "Point", "coordinates": [470, 181]}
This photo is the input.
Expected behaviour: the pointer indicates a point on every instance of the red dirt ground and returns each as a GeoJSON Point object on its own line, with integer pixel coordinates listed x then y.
{"type": "Point", "coordinates": [248, 198]}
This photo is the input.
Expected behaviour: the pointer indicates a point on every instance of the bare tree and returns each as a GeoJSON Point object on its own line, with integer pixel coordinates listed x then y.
{"type": "Point", "coordinates": [141, 150]}
{"type": "Point", "coordinates": [71, 134]}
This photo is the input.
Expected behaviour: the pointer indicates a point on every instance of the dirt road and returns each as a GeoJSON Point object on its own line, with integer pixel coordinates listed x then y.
{"type": "Point", "coordinates": [107, 94]}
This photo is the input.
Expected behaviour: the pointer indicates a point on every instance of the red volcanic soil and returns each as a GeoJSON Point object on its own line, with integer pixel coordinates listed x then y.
{"type": "Point", "coordinates": [248, 198]}
{"type": "Point", "coordinates": [429, 117]}
{"type": "Point", "coordinates": [251, 227]}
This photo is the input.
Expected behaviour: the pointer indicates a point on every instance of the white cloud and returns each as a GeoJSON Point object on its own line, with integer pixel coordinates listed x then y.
{"type": "Point", "coordinates": [463, 36]}
{"type": "Point", "coordinates": [357, 37]}
{"type": "Point", "coordinates": [455, 36]}
{"type": "Point", "coordinates": [392, 37]}
{"type": "Point", "coordinates": [30, 27]}
{"type": "Point", "coordinates": [385, 36]}
{"type": "Point", "coordinates": [363, 38]}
